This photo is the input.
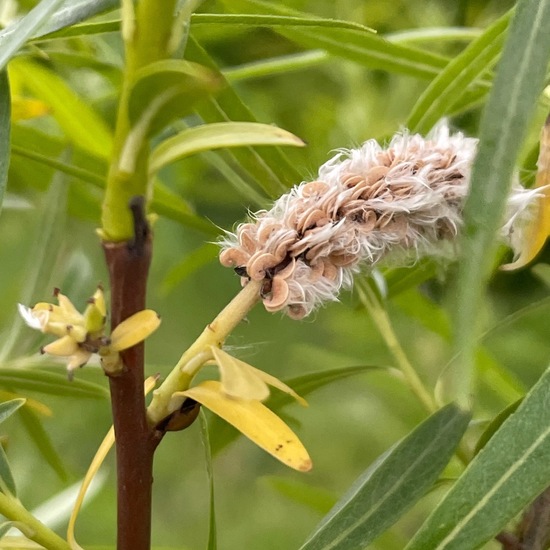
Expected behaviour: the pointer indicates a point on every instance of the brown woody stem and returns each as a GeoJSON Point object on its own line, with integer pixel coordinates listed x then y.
{"type": "Point", "coordinates": [128, 265]}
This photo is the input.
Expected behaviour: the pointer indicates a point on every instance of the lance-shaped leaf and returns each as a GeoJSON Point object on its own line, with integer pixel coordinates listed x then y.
{"type": "Point", "coordinates": [77, 118]}
{"type": "Point", "coordinates": [216, 136]}
{"type": "Point", "coordinates": [23, 29]}
{"type": "Point", "coordinates": [42, 441]}
{"type": "Point", "coordinates": [511, 470]}
{"type": "Point", "coordinates": [392, 484]}
{"type": "Point", "coordinates": [68, 14]}
{"type": "Point", "coordinates": [254, 420]}
{"type": "Point", "coordinates": [51, 383]}
{"type": "Point", "coordinates": [163, 91]}
{"type": "Point", "coordinates": [189, 82]}
{"type": "Point", "coordinates": [7, 483]}
{"type": "Point", "coordinates": [9, 407]}
{"type": "Point", "coordinates": [461, 72]}
{"type": "Point", "coordinates": [518, 82]}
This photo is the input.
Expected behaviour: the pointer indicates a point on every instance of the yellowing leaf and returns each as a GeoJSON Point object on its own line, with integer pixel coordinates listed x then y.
{"type": "Point", "coordinates": [254, 420]}
{"type": "Point", "coordinates": [78, 119]}
{"type": "Point", "coordinates": [539, 230]}
{"type": "Point", "coordinates": [24, 108]}
{"type": "Point", "coordinates": [239, 379]}
{"type": "Point", "coordinates": [134, 329]}
{"type": "Point", "coordinates": [236, 373]}
{"type": "Point", "coordinates": [96, 463]}
{"type": "Point", "coordinates": [276, 383]}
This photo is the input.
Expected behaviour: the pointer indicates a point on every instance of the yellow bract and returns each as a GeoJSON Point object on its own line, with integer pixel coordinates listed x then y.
{"type": "Point", "coordinates": [239, 379]}
{"type": "Point", "coordinates": [134, 329]}
{"type": "Point", "coordinates": [539, 230]}
{"type": "Point", "coordinates": [254, 420]}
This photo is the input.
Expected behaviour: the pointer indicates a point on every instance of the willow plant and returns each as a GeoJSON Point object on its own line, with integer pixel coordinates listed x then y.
{"type": "Point", "coordinates": [429, 195]}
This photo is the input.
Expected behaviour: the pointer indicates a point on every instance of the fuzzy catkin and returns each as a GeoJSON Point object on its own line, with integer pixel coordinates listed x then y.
{"type": "Point", "coordinates": [366, 205]}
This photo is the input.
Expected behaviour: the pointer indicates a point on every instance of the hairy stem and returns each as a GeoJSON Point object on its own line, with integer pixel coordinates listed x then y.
{"type": "Point", "coordinates": [199, 352]}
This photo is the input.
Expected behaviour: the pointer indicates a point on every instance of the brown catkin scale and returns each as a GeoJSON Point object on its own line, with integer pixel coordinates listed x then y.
{"type": "Point", "coordinates": [366, 206]}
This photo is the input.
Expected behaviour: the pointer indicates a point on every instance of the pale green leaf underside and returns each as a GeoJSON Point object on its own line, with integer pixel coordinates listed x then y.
{"type": "Point", "coordinates": [13, 38]}
{"type": "Point", "coordinates": [9, 407]}
{"type": "Point", "coordinates": [216, 136]}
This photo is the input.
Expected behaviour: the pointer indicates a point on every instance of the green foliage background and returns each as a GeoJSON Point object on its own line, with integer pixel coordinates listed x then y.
{"type": "Point", "coordinates": [47, 239]}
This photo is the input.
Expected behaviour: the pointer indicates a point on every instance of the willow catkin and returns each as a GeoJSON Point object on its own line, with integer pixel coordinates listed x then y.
{"type": "Point", "coordinates": [367, 205]}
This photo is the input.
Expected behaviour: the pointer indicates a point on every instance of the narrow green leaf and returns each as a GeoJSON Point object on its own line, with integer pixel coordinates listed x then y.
{"type": "Point", "coordinates": [216, 136]}
{"type": "Point", "coordinates": [13, 38]}
{"type": "Point", "coordinates": [275, 65]}
{"type": "Point", "coordinates": [437, 35]}
{"type": "Point", "coordinates": [316, 498]}
{"type": "Point", "coordinates": [360, 46]}
{"type": "Point", "coordinates": [510, 472]}
{"type": "Point", "coordinates": [182, 82]}
{"type": "Point", "coordinates": [76, 117]}
{"type": "Point", "coordinates": [497, 378]}
{"type": "Point", "coordinates": [461, 72]}
{"type": "Point", "coordinates": [85, 29]}
{"type": "Point", "coordinates": [50, 383]}
{"type": "Point", "coordinates": [7, 483]}
{"type": "Point", "coordinates": [495, 424]}
{"type": "Point", "coordinates": [392, 484]}
{"type": "Point", "coordinates": [260, 20]}
{"type": "Point", "coordinates": [5, 132]}
{"type": "Point", "coordinates": [75, 11]}
{"type": "Point", "coordinates": [188, 265]}
{"type": "Point", "coordinates": [46, 246]}
{"type": "Point", "coordinates": [400, 279]}
{"type": "Point", "coordinates": [9, 407]}
{"type": "Point", "coordinates": [518, 83]}
{"type": "Point", "coordinates": [417, 306]}
{"type": "Point", "coordinates": [44, 150]}
{"type": "Point", "coordinates": [222, 434]}
{"type": "Point", "coordinates": [269, 169]}
{"type": "Point", "coordinates": [170, 205]}
{"type": "Point", "coordinates": [56, 164]}
{"type": "Point", "coordinates": [307, 383]}
{"type": "Point", "coordinates": [42, 440]}
{"type": "Point", "coordinates": [212, 531]}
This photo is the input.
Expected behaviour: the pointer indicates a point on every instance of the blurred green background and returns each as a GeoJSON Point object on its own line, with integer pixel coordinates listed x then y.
{"type": "Point", "coordinates": [47, 239]}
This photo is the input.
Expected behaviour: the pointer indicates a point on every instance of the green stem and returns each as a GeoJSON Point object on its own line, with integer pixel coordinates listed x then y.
{"type": "Point", "coordinates": [33, 529]}
{"type": "Point", "coordinates": [148, 41]}
{"type": "Point", "coordinates": [192, 360]}
{"type": "Point", "coordinates": [382, 321]}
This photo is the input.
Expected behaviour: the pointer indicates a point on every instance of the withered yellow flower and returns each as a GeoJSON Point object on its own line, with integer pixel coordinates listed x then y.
{"type": "Point", "coordinates": [80, 335]}
{"type": "Point", "coordinates": [237, 398]}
